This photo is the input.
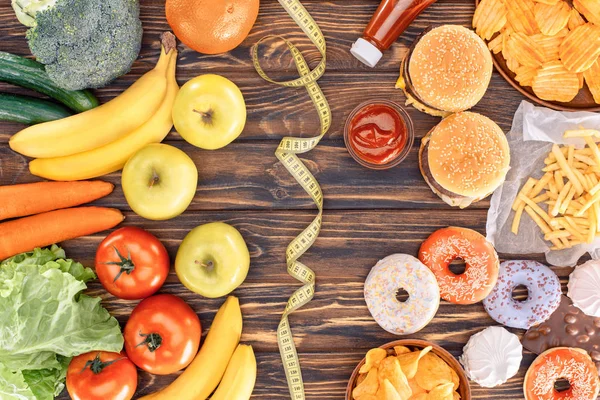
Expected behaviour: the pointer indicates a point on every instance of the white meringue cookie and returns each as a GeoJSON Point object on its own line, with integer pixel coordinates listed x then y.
{"type": "Point", "coordinates": [584, 287]}
{"type": "Point", "coordinates": [492, 356]}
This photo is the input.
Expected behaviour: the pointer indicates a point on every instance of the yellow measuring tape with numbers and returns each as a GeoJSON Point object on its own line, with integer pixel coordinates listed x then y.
{"type": "Point", "coordinates": [287, 152]}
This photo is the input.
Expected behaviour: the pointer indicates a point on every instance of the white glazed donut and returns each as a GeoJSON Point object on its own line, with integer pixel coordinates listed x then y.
{"type": "Point", "coordinates": [401, 271]}
{"type": "Point", "coordinates": [543, 298]}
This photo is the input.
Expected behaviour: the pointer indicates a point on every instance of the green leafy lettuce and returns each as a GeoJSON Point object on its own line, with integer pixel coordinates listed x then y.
{"type": "Point", "coordinates": [45, 320]}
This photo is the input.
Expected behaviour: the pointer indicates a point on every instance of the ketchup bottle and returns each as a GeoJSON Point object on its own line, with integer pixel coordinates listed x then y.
{"type": "Point", "coordinates": [387, 24]}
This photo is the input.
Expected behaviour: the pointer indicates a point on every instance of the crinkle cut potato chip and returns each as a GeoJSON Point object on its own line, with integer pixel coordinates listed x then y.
{"type": "Point", "coordinates": [369, 385]}
{"type": "Point", "coordinates": [589, 8]}
{"type": "Point", "coordinates": [432, 372]}
{"type": "Point", "coordinates": [581, 48]}
{"type": "Point", "coordinates": [549, 45]}
{"type": "Point", "coordinates": [489, 18]}
{"type": "Point", "coordinates": [525, 50]}
{"type": "Point", "coordinates": [551, 19]}
{"type": "Point", "coordinates": [575, 20]}
{"type": "Point", "coordinates": [592, 78]}
{"type": "Point", "coordinates": [555, 83]}
{"type": "Point", "coordinates": [441, 392]}
{"type": "Point", "coordinates": [524, 75]}
{"type": "Point", "coordinates": [520, 16]}
{"type": "Point", "coordinates": [372, 359]}
{"type": "Point", "coordinates": [390, 370]}
{"type": "Point", "coordinates": [495, 45]}
{"type": "Point", "coordinates": [409, 362]}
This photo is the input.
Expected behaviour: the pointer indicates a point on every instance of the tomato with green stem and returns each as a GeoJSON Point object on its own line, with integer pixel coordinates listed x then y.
{"type": "Point", "coordinates": [101, 375]}
{"type": "Point", "coordinates": [131, 263]}
{"type": "Point", "coordinates": [162, 334]}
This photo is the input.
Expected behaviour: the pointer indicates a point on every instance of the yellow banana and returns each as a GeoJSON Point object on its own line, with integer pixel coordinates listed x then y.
{"type": "Point", "coordinates": [240, 376]}
{"type": "Point", "coordinates": [113, 156]}
{"type": "Point", "coordinates": [100, 125]}
{"type": "Point", "coordinates": [203, 375]}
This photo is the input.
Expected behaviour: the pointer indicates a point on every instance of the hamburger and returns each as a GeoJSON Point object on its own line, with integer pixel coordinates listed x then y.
{"type": "Point", "coordinates": [447, 70]}
{"type": "Point", "coordinates": [464, 158]}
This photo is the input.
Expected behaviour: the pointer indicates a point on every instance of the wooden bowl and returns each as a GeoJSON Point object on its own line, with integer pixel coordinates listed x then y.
{"type": "Point", "coordinates": [584, 101]}
{"type": "Point", "coordinates": [463, 389]}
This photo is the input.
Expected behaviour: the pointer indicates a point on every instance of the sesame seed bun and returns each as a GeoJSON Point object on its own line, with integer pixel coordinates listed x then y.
{"type": "Point", "coordinates": [449, 70]}
{"type": "Point", "coordinates": [464, 158]}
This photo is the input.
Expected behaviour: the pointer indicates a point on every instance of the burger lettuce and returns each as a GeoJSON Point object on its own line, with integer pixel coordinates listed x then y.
{"type": "Point", "coordinates": [45, 320]}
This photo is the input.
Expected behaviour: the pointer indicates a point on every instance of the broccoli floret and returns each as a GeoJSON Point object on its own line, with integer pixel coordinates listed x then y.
{"type": "Point", "coordinates": [87, 43]}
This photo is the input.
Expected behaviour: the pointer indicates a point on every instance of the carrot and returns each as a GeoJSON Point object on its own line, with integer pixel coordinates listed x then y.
{"type": "Point", "coordinates": [25, 234]}
{"type": "Point", "coordinates": [39, 197]}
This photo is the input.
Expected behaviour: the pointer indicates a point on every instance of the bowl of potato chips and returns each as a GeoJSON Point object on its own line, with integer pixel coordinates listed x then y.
{"type": "Point", "coordinates": [546, 49]}
{"type": "Point", "coordinates": [408, 370]}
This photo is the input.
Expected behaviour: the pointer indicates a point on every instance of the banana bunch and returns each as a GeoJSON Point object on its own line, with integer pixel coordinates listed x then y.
{"type": "Point", "coordinates": [221, 359]}
{"type": "Point", "coordinates": [101, 140]}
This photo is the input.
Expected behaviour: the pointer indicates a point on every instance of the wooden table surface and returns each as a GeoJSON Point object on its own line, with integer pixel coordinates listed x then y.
{"type": "Point", "coordinates": [368, 214]}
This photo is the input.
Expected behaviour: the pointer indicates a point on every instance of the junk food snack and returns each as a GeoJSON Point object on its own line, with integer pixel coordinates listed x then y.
{"type": "Point", "coordinates": [481, 271]}
{"type": "Point", "coordinates": [492, 356]}
{"type": "Point", "coordinates": [447, 70]}
{"type": "Point", "coordinates": [584, 288]}
{"type": "Point", "coordinates": [570, 188]}
{"type": "Point", "coordinates": [543, 294]}
{"type": "Point", "coordinates": [567, 326]}
{"type": "Point", "coordinates": [406, 272]}
{"type": "Point", "coordinates": [571, 364]}
{"type": "Point", "coordinates": [404, 373]}
{"type": "Point", "coordinates": [549, 45]}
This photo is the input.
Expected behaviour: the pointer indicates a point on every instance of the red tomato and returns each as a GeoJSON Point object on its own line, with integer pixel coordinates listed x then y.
{"type": "Point", "coordinates": [131, 263]}
{"type": "Point", "coordinates": [101, 375]}
{"type": "Point", "coordinates": [162, 335]}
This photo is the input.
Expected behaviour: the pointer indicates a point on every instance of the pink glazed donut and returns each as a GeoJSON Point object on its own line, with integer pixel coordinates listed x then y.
{"type": "Point", "coordinates": [543, 298]}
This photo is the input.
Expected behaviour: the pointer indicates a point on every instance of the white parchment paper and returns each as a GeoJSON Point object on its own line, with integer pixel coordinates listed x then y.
{"type": "Point", "coordinates": [533, 132]}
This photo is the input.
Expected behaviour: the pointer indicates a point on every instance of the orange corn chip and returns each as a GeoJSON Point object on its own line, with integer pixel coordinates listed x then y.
{"type": "Point", "coordinates": [590, 9]}
{"type": "Point", "coordinates": [575, 19]}
{"type": "Point", "coordinates": [525, 50]}
{"type": "Point", "coordinates": [489, 18]}
{"type": "Point", "coordinates": [550, 44]}
{"type": "Point", "coordinates": [372, 359]}
{"type": "Point", "coordinates": [432, 372]}
{"type": "Point", "coordinates": [555, 83]}
{"type": "Point", "coordinates": [581, 48]}
{"type": "Point", "coordinates": [525, 75]}
{"type": "Point", "coordinates": [390, 370]}
{"type": "Point", "coordinates": [551, 19]}
{"type": "Point", "coordinates": [520, 16]}
{"type": "Point", "coordinates": [592, 78]}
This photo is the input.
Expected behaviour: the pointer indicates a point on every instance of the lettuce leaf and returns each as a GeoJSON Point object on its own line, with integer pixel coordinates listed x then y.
{"type": "Point", "coordinates": [44, 320]}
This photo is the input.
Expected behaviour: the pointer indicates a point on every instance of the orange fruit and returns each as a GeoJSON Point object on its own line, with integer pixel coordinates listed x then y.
{"type": "Point", "coordinates": [212, 26]}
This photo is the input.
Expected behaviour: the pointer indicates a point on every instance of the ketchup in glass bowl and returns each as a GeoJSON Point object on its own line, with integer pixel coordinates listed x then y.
{"type": "Point", "coordinates": [379, 134]}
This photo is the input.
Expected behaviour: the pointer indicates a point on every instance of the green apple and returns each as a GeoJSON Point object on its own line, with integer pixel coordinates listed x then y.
{"type": "Point", "coordinates": [213, 260]}
{"type": "Point", "coordinates": [159, 181]}
{"type": "Point", "coordinates": [209, 112]}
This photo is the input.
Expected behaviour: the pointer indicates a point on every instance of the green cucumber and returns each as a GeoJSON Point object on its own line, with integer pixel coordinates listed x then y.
{"type": "Point", "coordinates": [31, 74]}
{"type": "Point", "coordinates": [30, 110]}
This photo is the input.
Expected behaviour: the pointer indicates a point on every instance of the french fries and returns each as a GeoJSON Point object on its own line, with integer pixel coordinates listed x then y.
{"type": "Point", "coordinates": [570, 192]}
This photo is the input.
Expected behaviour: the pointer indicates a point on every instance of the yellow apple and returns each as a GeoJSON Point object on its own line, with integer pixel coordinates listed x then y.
{"type": "Point", "coordinates": [159, 182]}
{"type": "Point", "coordinates": [209, 112]}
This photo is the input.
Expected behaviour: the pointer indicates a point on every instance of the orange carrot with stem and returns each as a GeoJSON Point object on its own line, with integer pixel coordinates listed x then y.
{"type": "Point", "coordinates": [39, 197]}
{"type": "Point", "coordinates": [25, 234]}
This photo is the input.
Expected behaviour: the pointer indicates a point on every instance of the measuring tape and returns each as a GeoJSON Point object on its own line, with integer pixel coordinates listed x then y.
{"type": "Point", "coordinates": [287, 152]}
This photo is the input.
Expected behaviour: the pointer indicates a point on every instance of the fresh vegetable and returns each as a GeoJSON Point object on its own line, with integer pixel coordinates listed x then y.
{"type": "Point", "coordinates": [113, 156]}
{"type": "Point", "coordinates": [24, 234]}
{"type": "Point", "coordinates": [210, 26]}
{"type": "Point", "coordinates": [45, 320]}
{"type": "Point", "coordinates": [162, 334]}
{"type": "Point", "coordinates": [99, 375]}
{"type": "Point", "coordinates": [34, 198]}
{"type": "Point", "coordinates": [102, 125]}
{"type": "Point", "coordinates": [30, 110]}
{"type": "Point", "coordinates": [31, 74]}
{"type": "Point", "coordinates": [203, 375]}
{"type": "Point", "coordinates": [131, 263]}
{"type": "Point", "coordinates": [86, 44]}
{"type": "Point", "coordinates": [240, 376]}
